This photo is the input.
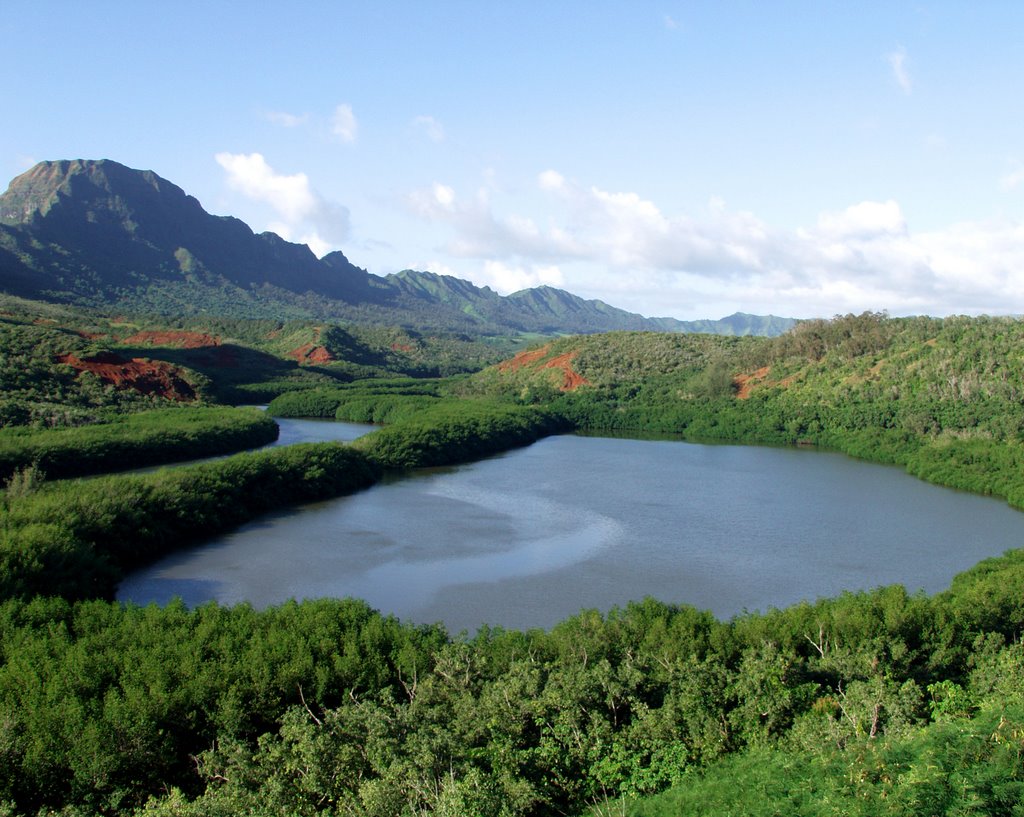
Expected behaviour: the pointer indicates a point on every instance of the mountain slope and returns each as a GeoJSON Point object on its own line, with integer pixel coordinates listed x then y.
{"type": "Point", "coordinates": [101, 234]}
{"type": "Point", "coordinates": [98, 228]}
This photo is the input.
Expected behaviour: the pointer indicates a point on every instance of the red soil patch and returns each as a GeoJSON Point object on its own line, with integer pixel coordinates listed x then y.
{"type": "Point", "coordinates": [523, 359]}
{"type": "Point", "coordinates": [144, 376]}
{"type": "Point", "coordinates": [746, 382]}
{"type": "Point", "coordinates": [401, 347]}
{"type": "Point", "coordinates": [571, 379]}
{"type": "Point", "coordinates": [91, 335]}
{"type": "Point", "coordinates": [178, 340]}
{"type": "Point", "coordinates": [311, 354]}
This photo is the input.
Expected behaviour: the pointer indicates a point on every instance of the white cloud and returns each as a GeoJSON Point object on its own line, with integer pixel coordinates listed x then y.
{"type": "Point", "coordinates": [250, 174]}
{"type": "Point", "coordinates": [323, 225]}
{"type": "Point", "coordinates": [505, 278]}
{"type": "Point", "coordinates": [316, 244]}
{"type": "Point", "coordinates": [344, 124]}
{"type": "Point", "coordinates": [621, 247]}
{"type": "Point", "coordinates": [898, 63]}
{"type": "Point", "coordinates": [444, 195]}
{"type": "Point", "coordinates": [431, 127]}
{"type": "Point", "coordinates": [670, 22]}
{"type": "Point", "coordinates": [864, 220]}
{"type": "Point", "coordinates": [551, 180]}
{"type": "Point", "coordinates": [286, 120]}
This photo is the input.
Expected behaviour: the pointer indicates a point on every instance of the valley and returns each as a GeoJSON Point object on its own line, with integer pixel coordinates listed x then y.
{"type": "Point", "coordinates": [135, 328]}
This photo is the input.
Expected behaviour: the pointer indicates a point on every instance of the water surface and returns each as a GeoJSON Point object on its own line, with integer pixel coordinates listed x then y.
{"type": "Point", "coordinates": [532, 536]}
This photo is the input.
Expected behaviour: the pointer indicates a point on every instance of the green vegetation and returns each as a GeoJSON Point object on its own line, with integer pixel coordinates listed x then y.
{"type": "Point", "coordinates": [35, 390]}
{"type": "Point", "coordinates": [376, 401]}
{"type": "Point", "coordinates": [457, 431]}
{"type": "Point", "coordinates": [870, 703]}
{"type": "Point", "coordinates": [229, 360]}
{"type": "Point", "coordinates": [76, 539]}
{"type": "Point", "coordinates": [132, 441]}
{"type": "Point", "coordinates": [942, 398]}
{"type": "Point", "coordinates": [426, 425]}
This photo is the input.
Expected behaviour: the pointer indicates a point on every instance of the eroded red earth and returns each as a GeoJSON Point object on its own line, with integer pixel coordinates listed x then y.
{"type": "Point", "coordinates": [571, 379]}
{"type": "Point", "coordinates": [141, 375]}
{"type": "Point", "coordinates": [523, 359]}
{"type": "Point", "coordinates": [174, 339]}
{"type": "Point", "coordinates": [746, 382]}
{"type": "Point", "coordinates": [311, 353]}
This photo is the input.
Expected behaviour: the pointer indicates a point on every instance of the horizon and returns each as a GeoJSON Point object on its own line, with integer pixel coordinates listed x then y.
{"type": "Point", "coordinates": [674, 160]}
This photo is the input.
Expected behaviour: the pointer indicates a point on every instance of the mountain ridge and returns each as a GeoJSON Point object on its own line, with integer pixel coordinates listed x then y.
{"type": "Point", "coordinates": [98, 233]}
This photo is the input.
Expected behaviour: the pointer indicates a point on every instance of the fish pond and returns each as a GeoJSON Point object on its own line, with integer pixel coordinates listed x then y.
{"type": "Point", "coordinates": [534, 535]}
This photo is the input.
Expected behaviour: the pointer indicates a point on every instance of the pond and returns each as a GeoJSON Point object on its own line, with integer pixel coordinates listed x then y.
{"type": "Point", "coordinates": [532, 536]}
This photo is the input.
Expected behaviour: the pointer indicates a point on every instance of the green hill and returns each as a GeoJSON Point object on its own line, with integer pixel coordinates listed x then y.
{"type": "Point", "coordinates": [942, 397]}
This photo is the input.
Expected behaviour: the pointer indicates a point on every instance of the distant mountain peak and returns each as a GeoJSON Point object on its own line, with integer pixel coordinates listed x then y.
{"type": "Point", "coordinates": [100, 186]}
{"type": "Point", "coordinates": [100, 233]}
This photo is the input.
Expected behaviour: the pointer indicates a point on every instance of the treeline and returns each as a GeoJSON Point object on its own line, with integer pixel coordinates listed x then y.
{"type": "Point", "coordinates": [426, 425]}
{"type": "Point", "coordinates": [77, 538]}
{"type": "Point", "coordinates": [132, 441]}
{"type": "Point", "coordinates": [454, 431]}
{"type": "Point", "coordinates": [942, 398]}
{"type": "Point", "coordinates": [374, 401]}
{"type": "Point", "coordinates": [965, 758]}
{"type": "Point", "coordinates": [328, 708]}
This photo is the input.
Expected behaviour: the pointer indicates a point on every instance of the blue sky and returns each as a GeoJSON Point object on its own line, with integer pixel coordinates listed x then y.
{"type": "Point", "coordinates": [688, 159]}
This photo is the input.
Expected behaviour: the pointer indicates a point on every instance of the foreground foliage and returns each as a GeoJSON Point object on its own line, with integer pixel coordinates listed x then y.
{"type": "Point", "coordinates": [874, 702]}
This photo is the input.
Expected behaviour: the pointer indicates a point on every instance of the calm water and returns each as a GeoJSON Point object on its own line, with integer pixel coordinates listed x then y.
{"type": "Point", "coordinates": [530, 537]}
{"type": "Point", "coordinates": [318, 431]}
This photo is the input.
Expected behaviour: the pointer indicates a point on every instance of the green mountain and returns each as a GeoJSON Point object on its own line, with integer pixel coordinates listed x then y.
{"type": "Point", "coordinates": [97, 233]}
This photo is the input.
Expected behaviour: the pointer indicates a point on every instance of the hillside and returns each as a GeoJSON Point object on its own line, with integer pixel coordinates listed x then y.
{"type": "Point", "coordinates": [62, 365]}
{"type": "Point", "coordinates": [100, 234]}
{"type": "Point", "coordinates": [941, 397]}
{"type": "Point", "coordinates": [866, 703]}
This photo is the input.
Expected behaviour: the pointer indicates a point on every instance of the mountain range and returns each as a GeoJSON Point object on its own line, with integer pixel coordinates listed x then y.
{"type": "Point", "coordinates": [99, 234]}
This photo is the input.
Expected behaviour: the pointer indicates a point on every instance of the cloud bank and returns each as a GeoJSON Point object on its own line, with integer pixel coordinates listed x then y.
{"type": "Point", "coordinates": [621, 247]}
{"type": "Point", "coordinates": [303, 214]}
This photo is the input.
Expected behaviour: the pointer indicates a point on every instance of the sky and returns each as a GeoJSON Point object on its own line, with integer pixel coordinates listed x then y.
{"type": "Point", "coordinates": [681, 159]}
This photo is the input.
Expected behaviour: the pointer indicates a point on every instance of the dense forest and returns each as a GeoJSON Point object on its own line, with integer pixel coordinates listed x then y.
{"type": "Point", "coordinates": [878, 702]}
